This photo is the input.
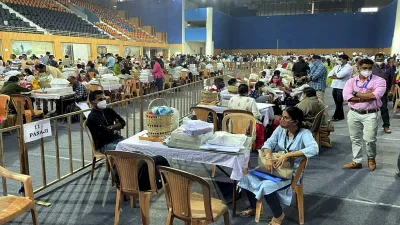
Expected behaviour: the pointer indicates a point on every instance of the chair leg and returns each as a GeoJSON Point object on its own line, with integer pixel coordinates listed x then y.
{"type": "Point", "coordinates": [395, 106]}
{"type": "Point", "coordinates": [133, 202]}
{"type": "Point", "coordinates": [258, 211]}
{"type": "Point", "coordinates": [300, 203]}
{"type": "Point", "coordinates": [226, 218]}
{"type": "Point", "coordinates": [93, 165]}
{"type": "Point", "coordinates": [170, 218]}
{"type": "Point", "coordinates": [34, 215]}
{"type": "Point", "coordinates": [117, 207]}
{"type": "Point", "coordinates": [108, 166]}
{"type": "Point", "coordinates": [214, 168]}
{"type": "Point", "coordinates": [144, 200]}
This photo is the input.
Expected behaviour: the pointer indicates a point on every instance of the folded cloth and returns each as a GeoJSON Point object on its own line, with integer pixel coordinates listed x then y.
{"type": "Point", "coordinates": [265, 176]}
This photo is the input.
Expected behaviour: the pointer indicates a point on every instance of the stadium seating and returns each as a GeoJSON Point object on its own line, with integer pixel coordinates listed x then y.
{"type": "Point", "coordinates": [111, 31]}
{"type": "Point", "coordinates": [10, 22]}
{"type": "Point", "coordinates": [54, 19]}
{"type": "Point", "coordinates": [111, 18]}
{"type": "Point", "coordinates": [48, 4]}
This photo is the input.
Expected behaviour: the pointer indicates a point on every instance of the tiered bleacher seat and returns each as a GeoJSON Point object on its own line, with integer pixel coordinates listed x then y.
{"type": "Point", "coordinates": [53, 17]}
{"type": "Point", "coordinates": [9, 22]}
{"type": "Point", "coordinates": [111, 31]}
{"type": "Point", "coordinates": [111, 18]}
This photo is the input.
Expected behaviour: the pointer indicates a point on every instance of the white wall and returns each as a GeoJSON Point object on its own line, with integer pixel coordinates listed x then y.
{"type": "Point", "coordinates": [194, 47]}
{"type": "Point", "coordinates": [396, 36]}
{"type": "Point", "coordinates": [209, 26]}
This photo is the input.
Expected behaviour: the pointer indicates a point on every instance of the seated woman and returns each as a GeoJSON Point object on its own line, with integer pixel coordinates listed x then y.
{"type": "Point", "coordinates": [276, 81]}
{"type": "Point", "coordinates": [298, 142]}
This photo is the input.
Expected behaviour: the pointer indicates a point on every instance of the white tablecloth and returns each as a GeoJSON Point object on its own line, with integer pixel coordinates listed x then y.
{"type": "Point", "coordinates": [111, 87]}
{"type": "Point", "coordinates": [238, 162]}
{"type": "Point", "coordinates": [266, 110]}
{"type": "Point", "coordinates": [281, 94]}
{"type": "Point", "coordinates": [51, 96]}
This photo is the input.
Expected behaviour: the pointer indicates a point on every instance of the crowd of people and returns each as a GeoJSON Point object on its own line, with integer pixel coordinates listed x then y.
{"type": "Point", "coordinates": [365, 82]}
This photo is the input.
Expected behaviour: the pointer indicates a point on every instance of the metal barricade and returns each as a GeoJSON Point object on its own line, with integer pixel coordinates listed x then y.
{"type": "Point", "coordinates": [68, 150]}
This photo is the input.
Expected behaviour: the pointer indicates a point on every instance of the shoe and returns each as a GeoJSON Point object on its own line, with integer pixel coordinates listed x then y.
{"type": "Point", "coordinates": [371, 164]}
{"type": "Point", "coordinates": [277, 221]}
{"type": "Point", "coordinates": [398, 172]}
{"type": "Point", "coordinates": [248, 212]}
{"type": "Point", "coordinates": [352, 165]}
{"type": "Point", "coordinates": [387, 130]}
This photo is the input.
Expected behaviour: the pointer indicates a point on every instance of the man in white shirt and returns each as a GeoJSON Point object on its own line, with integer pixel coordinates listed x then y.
{"type": "Point", "coordinates": [210, 67]}
{"type": "Point", "coordinates": [340, 74]}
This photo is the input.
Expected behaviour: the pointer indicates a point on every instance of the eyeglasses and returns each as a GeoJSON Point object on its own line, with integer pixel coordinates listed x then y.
{"type": "Point", "coordinates": [287, 118]}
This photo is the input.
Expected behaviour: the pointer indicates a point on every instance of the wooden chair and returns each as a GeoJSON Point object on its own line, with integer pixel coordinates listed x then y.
{"type": "Point", "coordinates": [168, 80]}
{"type": "Point", "coordinates": [136, 87]}
{"type": "Point", "coordinates": [206, 73]}
{"type": "Point", "coordinates": [202, 114]}
{"type": "Point", "coordinates": [397, 97]}
{"type": "Point", "coordinates": [13, 206]}
{"type": "Point", "coordinates": [127, 166]}
{"type": "Point", "coordinates": [316, 126]}
{"type": "Point", "coordinates": [91, 75]}
{"type": "Point", "coordinates": [4, 101]}
{"type": "Point", "coordinates": [128, 91]}
{"type": "Point", "coordinates": [297, 187]}
{"type": "Point", "coordinates": [192, 208]}
{"type": "Point", "coordinates": [184, 78]}
{"type": "Point", "coordinates": [95, 153]}
{"type": "Point", "coordinates": [25, 102]}
{"type": "Point", "coordinates": [230, 111]}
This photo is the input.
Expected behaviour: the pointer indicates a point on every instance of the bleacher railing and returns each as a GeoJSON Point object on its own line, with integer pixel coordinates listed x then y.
{"type": "Point", "coordinates": [68, 151]}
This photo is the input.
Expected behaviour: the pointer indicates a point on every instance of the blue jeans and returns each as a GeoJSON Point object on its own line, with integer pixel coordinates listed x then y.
{"type": "Point", "coordinates": [159, 84]}
{"type": "Point", "coordinates": [112, 145]}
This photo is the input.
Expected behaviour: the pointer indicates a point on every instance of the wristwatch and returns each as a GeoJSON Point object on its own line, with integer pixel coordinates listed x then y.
{"type": "Point", "coordinates": [354, 93]}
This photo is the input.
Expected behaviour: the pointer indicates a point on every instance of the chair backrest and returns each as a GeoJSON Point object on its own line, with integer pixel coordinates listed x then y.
{"type": "Point", "coordinates": [4, 101]}
{"type": "Point", "coordinates": [91, 75]}
{"type": "Point", "coordinates": [202, 114]}
{"type": "Point", "coordinates": [128, 86]}
{"type": "Point", "coordinates": [239, 123]}
{"type": "Point", "coordinates": [397, 92]}
{"type": "Point", "coordinates": [24, 100]}
{"type": "Point", "coordinates": [127, 165]}
{"type": "Point", "coordinates": [318, 120]}
{"type": "Point", "coordinates": [178, 187]}
{"type": "Point", "coordinates": [299, 172]}
{"type": "Point", "coordinates": [183, 75]}
{"type": "Point", "coordinates": [94, 87]}
{"type": "Point", "coordinates": [230, 111]}
{"type": "Point", "coordinates": [89, 134]}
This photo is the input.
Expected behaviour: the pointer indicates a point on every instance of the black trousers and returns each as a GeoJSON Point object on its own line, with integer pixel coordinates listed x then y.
{"type": "Point", "coordinates": [337, 95]}
{"type": "Point", "coordinates": [272, 201]}
{"type": "Point", "coordinates": [385, 111]}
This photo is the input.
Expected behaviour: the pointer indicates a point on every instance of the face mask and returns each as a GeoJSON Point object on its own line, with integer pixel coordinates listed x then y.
{"type": "Point", "coordinates": [366, 73]}
{"type": "Point", "coordinates": [221, 85]}
{"type": "Point", "coordinates": [275, 80]}
{"type": "Point", "coordinates": [339, 63]}
{"type": "Point", "coordinates": [102, 104]}
{"type": "Point", "coordinates": [379, 63]}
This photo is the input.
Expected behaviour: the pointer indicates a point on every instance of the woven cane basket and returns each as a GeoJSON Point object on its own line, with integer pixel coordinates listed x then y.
{"type": "Point", "coordinates": [158, 125]}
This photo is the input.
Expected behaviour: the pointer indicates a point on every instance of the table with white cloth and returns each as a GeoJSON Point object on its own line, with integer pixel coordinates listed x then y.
{"type": "Point", "coordinates": [281, 94]}
{"type": "Point", "coordinates": [265, 109]}
{"type": "Point", "coordinates": [238, 162]}
{"type": "Point", "coordinates": [63, 96]}
{"type": "Point", "coordinates": [111, 87]}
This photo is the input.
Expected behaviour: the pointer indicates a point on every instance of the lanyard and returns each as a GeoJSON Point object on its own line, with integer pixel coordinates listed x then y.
{"type": "Point", "coordinates": [286, 139]}
{"type": "Point", "coordinates": [365, 84]}
{"type": "Point", "coordinates": [339, 69]}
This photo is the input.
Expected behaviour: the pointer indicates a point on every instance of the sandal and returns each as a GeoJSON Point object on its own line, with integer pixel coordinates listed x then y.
{"type": "Point", "coordinates": [277, 221]}
{"type": "Point", "coordinates": [248, 212]}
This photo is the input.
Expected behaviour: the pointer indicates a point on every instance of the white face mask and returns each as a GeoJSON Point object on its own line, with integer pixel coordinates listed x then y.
{"type": "Point", "coordinates": [366, 73]}
{"type": "Point", "coordinates": [339, 62]}
{"type": "Point", "coordinates": [379, 63]}
{"type": "Point", "coordinates": [102, 104]}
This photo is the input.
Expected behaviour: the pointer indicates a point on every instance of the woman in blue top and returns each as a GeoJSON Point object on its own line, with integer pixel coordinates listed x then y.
{"type": "Point", "coordinates": [299, 142]}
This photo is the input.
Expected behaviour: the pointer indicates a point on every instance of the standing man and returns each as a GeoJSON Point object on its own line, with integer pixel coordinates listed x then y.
{"type": "Point", "coordinates": [339, 75]}
{"type": "Point", "coordinates": [110, 62]}
{"type": "Point", "coordinates": [364, 93]}
{"type": "Point", "coordinates": [318, 76]}
{"type": "Point", "coordinates": [387, 73]}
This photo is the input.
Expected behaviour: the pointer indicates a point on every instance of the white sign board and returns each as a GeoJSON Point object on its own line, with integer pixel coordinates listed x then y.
{"type": "Point", "coordinates": [36, 130]}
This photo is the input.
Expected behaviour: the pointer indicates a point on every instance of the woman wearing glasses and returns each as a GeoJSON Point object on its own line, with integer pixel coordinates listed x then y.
{"type": "Point", "coordinates": [289, 137]}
